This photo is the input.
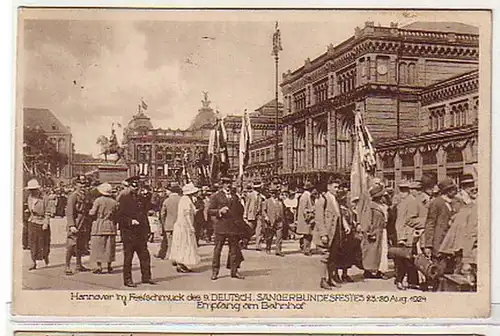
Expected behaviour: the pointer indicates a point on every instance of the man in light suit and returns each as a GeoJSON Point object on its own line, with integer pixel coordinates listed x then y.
{"type": "Point", "coordinates": [253, 213]}
{"type": "Point", "coordinates": [305, 219]}
{"type": "Point", "coordinates": [273, 213]}
{"type": "Point", "coordinates": [331, 228]}
{"type": "Point", "coordinates": [168, 215]}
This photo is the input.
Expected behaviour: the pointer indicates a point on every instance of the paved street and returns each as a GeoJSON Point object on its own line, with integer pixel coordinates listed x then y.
{"type": "Point", "coordinates": [294, 272]}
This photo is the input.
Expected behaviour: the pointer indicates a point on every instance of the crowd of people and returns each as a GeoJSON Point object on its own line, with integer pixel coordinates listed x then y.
{"type": "Point", "coordinates": [426, 229]}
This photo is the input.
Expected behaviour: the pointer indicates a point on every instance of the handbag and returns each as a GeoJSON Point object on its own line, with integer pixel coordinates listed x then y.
{"type": "Point", "coordinates": [399, 252]}
{"type": "Point", "coordinates": [430, 269]}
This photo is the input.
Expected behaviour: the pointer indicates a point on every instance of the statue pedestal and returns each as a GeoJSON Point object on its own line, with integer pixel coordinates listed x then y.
{"type": "Point", "coordinates": [112, 173]}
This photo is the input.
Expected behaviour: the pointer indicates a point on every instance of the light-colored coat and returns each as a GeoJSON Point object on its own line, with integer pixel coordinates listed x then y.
{"type": "Point", "coordinates": [253, 206]}
{"type": "Point", "coordinates": [169, 211]}
{"type": "Point", "coordinates": [273, 211]}
{"type": "Point", "coordinates": [326, 215]}
{"type": "Point", "coordinates": [407, 219]}
{"type": "Point", "coordinates": [372, 222]}
{"type": "Point", "coordinates": [105, 209]}
{"type": "Point", "coordinates": [39, 210]}
{"type": "Point", "coordinates": [462, 234]}
{"type": "Point", "coordinates": [305, 213]}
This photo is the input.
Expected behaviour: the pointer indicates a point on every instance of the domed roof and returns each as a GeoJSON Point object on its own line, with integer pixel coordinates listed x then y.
{"type": "Point", "coordinates": [206, 115]}
{"type": "Point", "coordinates": [139, 121]}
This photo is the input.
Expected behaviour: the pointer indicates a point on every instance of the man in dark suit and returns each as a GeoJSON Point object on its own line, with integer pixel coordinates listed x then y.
{"type": "Point", "coordinates": [438, 219]}
{"type": "Point", "coordinates": [134, 231]}
{"type": "Point", "coordinates": [227, 212]}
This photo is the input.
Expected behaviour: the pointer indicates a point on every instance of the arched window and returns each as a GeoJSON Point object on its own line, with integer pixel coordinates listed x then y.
{"type": "Point", "coordinates": [402, 73]}
{"type": "Point", "coordinates": [412, 73]}
{"type": "Point", "coordinates": [453, 112]}
{"type": "Point", "coordinates": [465, 113]}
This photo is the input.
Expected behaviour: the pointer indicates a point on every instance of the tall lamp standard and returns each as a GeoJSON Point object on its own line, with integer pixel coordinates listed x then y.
{"type": "Point", "coordinates": [276, 50]}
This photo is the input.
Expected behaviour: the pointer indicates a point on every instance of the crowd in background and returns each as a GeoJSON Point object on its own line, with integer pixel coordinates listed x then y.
{"type": "Point", "coordinates": [428, 229]}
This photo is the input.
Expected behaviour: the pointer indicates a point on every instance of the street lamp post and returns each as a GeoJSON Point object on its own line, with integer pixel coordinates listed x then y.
{"type": "Point", "coordinates": [276, 50]}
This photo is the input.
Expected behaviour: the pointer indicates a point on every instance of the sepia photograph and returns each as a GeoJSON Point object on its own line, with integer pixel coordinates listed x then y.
{"type": "Point", "coordinates": [252, 163]}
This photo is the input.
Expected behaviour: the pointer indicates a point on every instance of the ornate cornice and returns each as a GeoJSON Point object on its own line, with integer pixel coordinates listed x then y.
{"type": "Point", "coordinates": [383, 41]}
{"type": "Point", "coordinates": [457, 86]}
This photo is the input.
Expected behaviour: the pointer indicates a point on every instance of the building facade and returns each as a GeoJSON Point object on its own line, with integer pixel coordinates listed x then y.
{"type": "Point", "coordinates": [448, 143]}
{"type": "Point", "coordinates": [59, 134]}
{"type": "Point", "coordinates": [390, 70]}
{"type": "Point", "coordinates": [158, 154]}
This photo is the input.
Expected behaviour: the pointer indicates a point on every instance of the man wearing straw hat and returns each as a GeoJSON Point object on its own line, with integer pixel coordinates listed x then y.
{"type": "Point", "coordinates": [79, 221]}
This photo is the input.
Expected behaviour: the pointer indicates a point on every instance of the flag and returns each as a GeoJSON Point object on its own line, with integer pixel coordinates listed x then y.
{"type": "Point", "coordinates": [277, 41]}
{"type": "Point", "coordinates": [245, 140]}
{"type": "Point", "coordinates": [217, 149]}
{"type": "Point", "coordinates": [144, 105]}
{"type": "Point", "coordinates": [363, 163]}
{"type": "Point", "coordinates": [186, 178]}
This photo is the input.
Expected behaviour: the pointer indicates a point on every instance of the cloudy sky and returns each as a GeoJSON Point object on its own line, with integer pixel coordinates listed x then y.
{"type": "Point", "coordinates": [92, 72]}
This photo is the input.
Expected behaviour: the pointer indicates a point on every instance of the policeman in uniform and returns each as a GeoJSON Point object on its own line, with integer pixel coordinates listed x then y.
{"type": "Point", "coordinates": [134, 231]}
{"type": "Point", "coordinates": [79, 222]}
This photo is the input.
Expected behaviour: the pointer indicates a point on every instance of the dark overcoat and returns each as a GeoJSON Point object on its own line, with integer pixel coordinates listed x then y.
{"type": "Point", "coordinates": [230, 223]}
{"type": "Point", "coordinates": [437, 223]}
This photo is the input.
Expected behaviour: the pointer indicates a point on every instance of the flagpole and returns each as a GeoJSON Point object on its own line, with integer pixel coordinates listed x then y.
{"type": "Point", "coordinates": [276, 49]}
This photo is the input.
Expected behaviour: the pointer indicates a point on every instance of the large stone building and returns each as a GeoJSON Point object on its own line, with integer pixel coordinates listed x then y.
{"type": "Point", "coordinates": [157, 154]}
{"type": "Point", "coordinates": [404, 77]}
{"type": "Point", "coordinates": [59, 134]}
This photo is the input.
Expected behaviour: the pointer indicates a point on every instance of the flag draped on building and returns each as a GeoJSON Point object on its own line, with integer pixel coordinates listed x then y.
{"type": "Point", "coordinates": [217, 148]}
{"type": "Point", "coordinates": [245, 140]}
{"type": "Point", "coordinates": [363, 163]}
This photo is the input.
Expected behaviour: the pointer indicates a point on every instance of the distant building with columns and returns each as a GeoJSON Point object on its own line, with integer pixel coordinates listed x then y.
{"type": "Point", "coordinates": [410, 80]}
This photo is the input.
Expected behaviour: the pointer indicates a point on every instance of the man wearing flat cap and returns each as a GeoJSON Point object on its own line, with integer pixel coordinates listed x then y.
{"type": "Point", "coordinates": [78, 224]}
{"type": "Point", "coordinates": [134, 231]}
{"type": "Point", "coordinates": [227, 212]}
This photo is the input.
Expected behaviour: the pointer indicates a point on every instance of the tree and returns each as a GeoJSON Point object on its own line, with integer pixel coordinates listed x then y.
{"type": "Point", "coordinates": [41, 157]}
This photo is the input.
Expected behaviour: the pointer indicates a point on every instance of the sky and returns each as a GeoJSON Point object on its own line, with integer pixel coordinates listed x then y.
{"type": "Point", "coordinates": [94, 71]}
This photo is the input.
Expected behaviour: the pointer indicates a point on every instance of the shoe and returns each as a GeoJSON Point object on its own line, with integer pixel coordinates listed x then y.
{"type": "Point", "coordinates": [324, 284]}
{"type": "Point", "coordinates": [68, 271]}
{"type": "Point", "coordinates": [368, 275]}
{"type": "Point", "coordinates": [214, 276]}
{"type": "Point", "coordinates": [46, 259]}
{"type": "Point", "coordinates": [130, 284]}
{"type": "Point", "coordinates": [174, 263]}
{"type": "Point", "coordinates": [97, 271]}
{"type": "Point", "coordinates": [158, 257]}
{"type": "Point", "coordinates": [308, 254]}
{"type": "Point", "coordinates": [336, 279]}
{"type": "Point", "coordinates": [347, 278]}
{"type": "Point", "coordinates": [414, 287]}
{"type": "Point", "coordinates": [181, 270]}
{"type": "Point", "coordinates": [400, 286]}
{"type": "Point", "coordinates": [110, 269]}
{"type": "Point", "coordinates": [258, 249]}
{"type": "Point", "coordinates": [82, 269]}
{"type": "Point", "coordinates": [237, 276]}
{"type": "Point", "coordinates": [150, 282]}
{"type": "Point", "coordinates": [33, 267]}
{"type": "Point", "coordinates": [185, 268]}
{"type": "Point", "coordinates": [334, 283]}
{"type": "Point", "coordinates": [280, 254]}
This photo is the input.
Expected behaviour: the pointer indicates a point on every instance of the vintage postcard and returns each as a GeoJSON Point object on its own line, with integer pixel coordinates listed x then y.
{"type": "Point", "coordinates": [252, 163]}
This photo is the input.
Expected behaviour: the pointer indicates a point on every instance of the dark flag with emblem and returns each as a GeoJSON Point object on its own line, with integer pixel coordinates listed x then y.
{"type": "Point", "coordinates": [217, 148]}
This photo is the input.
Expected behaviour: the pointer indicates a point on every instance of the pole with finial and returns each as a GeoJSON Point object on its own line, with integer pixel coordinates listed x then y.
{"type": "Point", "coordinates": [276, 50]}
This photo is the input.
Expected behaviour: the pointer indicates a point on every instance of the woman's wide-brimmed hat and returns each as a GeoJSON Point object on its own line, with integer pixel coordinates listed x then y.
{"type": "Point", "coordinates": [189, 189]}
{"type": "Point", "coordinates": [33, 185]}
{"type": "Point", "coordinates": [105, 189]}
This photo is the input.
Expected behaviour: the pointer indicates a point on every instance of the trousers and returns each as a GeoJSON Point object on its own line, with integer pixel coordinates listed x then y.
{"type": "Point", "coordinates": [165, 245]}
{"type": "Point", "coordinates": [138, 245]}
{"type": "Point", "coordinates": [277, 231]}
{"type": "Point", "coordinates": [235, 256]}
{"type": "Point", "coordinates": [305, 243]}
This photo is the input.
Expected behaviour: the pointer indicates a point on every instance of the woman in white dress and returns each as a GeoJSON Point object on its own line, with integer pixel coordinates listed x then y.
{"type": "Point", "coordinates": [184, 251]}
